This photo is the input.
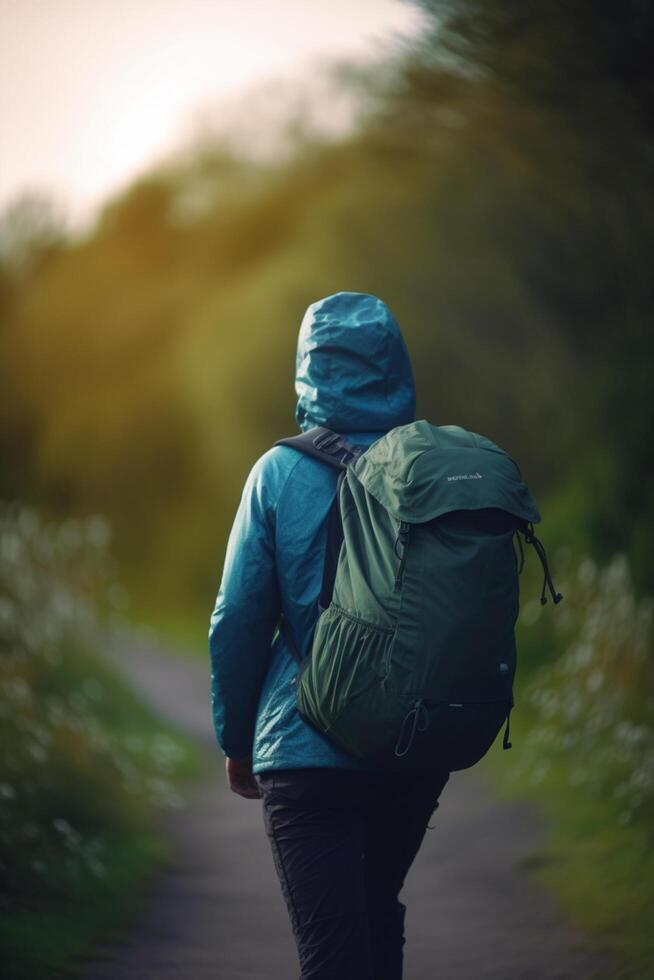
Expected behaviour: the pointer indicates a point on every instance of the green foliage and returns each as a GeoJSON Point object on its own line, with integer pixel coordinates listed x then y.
{"type": "Point", "coordinates": [601, 870]}
{"type": "Point", "coordinates": [583, 746]}
{"type": "Point", "coordinates": [568, 89]}
{"type": "Point", "coordinates": [496, 194]}
{"type": "Point", "coordinates": [82, 762]}
{"type": "Point", "coordinates": [591, 707]}
{"type": "Point", "coordinates": [43, 939]}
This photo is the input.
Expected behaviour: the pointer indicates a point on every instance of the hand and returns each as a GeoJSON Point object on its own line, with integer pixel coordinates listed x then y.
{"type": "Point", "coordinates": [241, 779]}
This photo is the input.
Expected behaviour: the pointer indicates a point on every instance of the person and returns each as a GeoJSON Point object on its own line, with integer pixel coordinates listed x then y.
{"type": "Point", "coordinates": [343, 835]}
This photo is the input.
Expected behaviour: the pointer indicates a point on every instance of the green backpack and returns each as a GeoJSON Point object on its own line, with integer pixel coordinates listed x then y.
{"type": "Point", "coordinates": [413, 655]}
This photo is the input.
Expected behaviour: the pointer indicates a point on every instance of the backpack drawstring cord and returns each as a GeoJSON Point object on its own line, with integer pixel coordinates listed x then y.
{"type": "Point", "coordinates": [520, 561]}
{"type": "Point", "coordinates": [506, 744]}
{"type": "Point", "coordinates": [420, 724]}
{"type": "Point", "coordinates": [530, 538]}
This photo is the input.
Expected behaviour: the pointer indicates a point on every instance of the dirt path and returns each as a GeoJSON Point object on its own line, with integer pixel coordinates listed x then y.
{"type": "Point", "coordinates": [216, 912]}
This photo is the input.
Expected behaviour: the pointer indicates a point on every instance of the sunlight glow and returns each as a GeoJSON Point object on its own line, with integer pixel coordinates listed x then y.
{"type": "Point", "coordinates": [93, 91]}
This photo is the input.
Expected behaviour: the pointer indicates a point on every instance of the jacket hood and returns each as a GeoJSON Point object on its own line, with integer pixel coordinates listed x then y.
{"type": "Point", "coordinates": [353, 372]}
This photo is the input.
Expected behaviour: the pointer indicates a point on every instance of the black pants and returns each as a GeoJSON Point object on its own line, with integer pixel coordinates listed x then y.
{"type": "Point", "coordinates": [342, 843]}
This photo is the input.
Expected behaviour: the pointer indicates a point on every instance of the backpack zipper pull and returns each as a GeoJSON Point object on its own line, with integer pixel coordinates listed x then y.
{"type": "Point", "coordinates": [420, 724]}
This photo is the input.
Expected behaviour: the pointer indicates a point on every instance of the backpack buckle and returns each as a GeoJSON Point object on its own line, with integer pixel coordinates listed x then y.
{"type": "Point", "coordinates": [335, 445]}
{"type": "Point", "coordinates": [325, 441]}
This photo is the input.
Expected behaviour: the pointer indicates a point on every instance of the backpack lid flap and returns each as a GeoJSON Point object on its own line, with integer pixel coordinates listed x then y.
{"type": "Point", "coordinates": [421, 471]}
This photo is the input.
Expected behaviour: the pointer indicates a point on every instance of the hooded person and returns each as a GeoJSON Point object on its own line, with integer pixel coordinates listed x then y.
{"type": "Point", "coordinates": [323, 808]}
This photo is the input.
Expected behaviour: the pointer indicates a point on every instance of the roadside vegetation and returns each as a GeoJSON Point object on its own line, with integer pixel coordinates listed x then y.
{"type": "Point", "coordinates": [583, 747]}
{"type": "Point", "coordinates": [84, 766]}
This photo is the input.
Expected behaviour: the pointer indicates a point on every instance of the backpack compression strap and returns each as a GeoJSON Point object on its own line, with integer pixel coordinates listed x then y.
{"type": "Point", "coordinates": [328, 447]}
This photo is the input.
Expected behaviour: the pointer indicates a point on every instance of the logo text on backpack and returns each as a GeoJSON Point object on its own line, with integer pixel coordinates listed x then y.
{"type": "Point", "coordinates": [466, 476]}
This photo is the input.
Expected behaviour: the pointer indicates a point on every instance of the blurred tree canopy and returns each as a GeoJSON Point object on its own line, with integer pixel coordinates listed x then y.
{"type": "Point", "coordinates": [575, 82]}
{"type": "Point", "coordinates": [496, 194]}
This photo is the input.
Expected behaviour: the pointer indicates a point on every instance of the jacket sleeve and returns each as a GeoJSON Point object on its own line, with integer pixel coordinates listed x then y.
{"type": "Point", "coordinates": [245, 615]}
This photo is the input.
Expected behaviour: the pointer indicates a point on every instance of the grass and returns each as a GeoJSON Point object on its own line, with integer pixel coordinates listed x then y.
{"type": "Point", "coordinates": [90, 880]}
{"type": "Point", "coordinates": [48, 938]}
{"type": "Point", "coordinates": [601, 871]}
{"type": "Point", "coordinates": [68, 891]}
{"type": "Point", "coordinates": [583, 738]}
{"type": "Point", "coordinates": [85, 765]}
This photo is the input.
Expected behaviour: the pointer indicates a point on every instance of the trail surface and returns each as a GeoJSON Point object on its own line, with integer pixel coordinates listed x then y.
{"type": "Point", "coordinates": [216, 912]}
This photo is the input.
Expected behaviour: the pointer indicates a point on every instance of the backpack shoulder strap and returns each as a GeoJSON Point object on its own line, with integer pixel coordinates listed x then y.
{"type": "Point", "coordinates": [330, 448]}
{"type": "Point", "coordinates": [332, 549]}
{"type": "Point", "coordinates": [325, 445]}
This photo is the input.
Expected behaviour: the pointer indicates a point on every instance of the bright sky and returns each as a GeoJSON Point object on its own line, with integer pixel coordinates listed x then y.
{"type": "Point", "coordinates": [92, 91]}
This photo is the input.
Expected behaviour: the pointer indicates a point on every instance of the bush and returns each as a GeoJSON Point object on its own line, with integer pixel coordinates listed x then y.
{"type": "Point", "coordinates": [81, 760]}
{"type": "Point", "coordinates": [593, 706]}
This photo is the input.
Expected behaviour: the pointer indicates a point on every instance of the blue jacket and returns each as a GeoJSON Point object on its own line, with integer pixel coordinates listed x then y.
{"type": "Point", "coordinates": [353, 375]}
